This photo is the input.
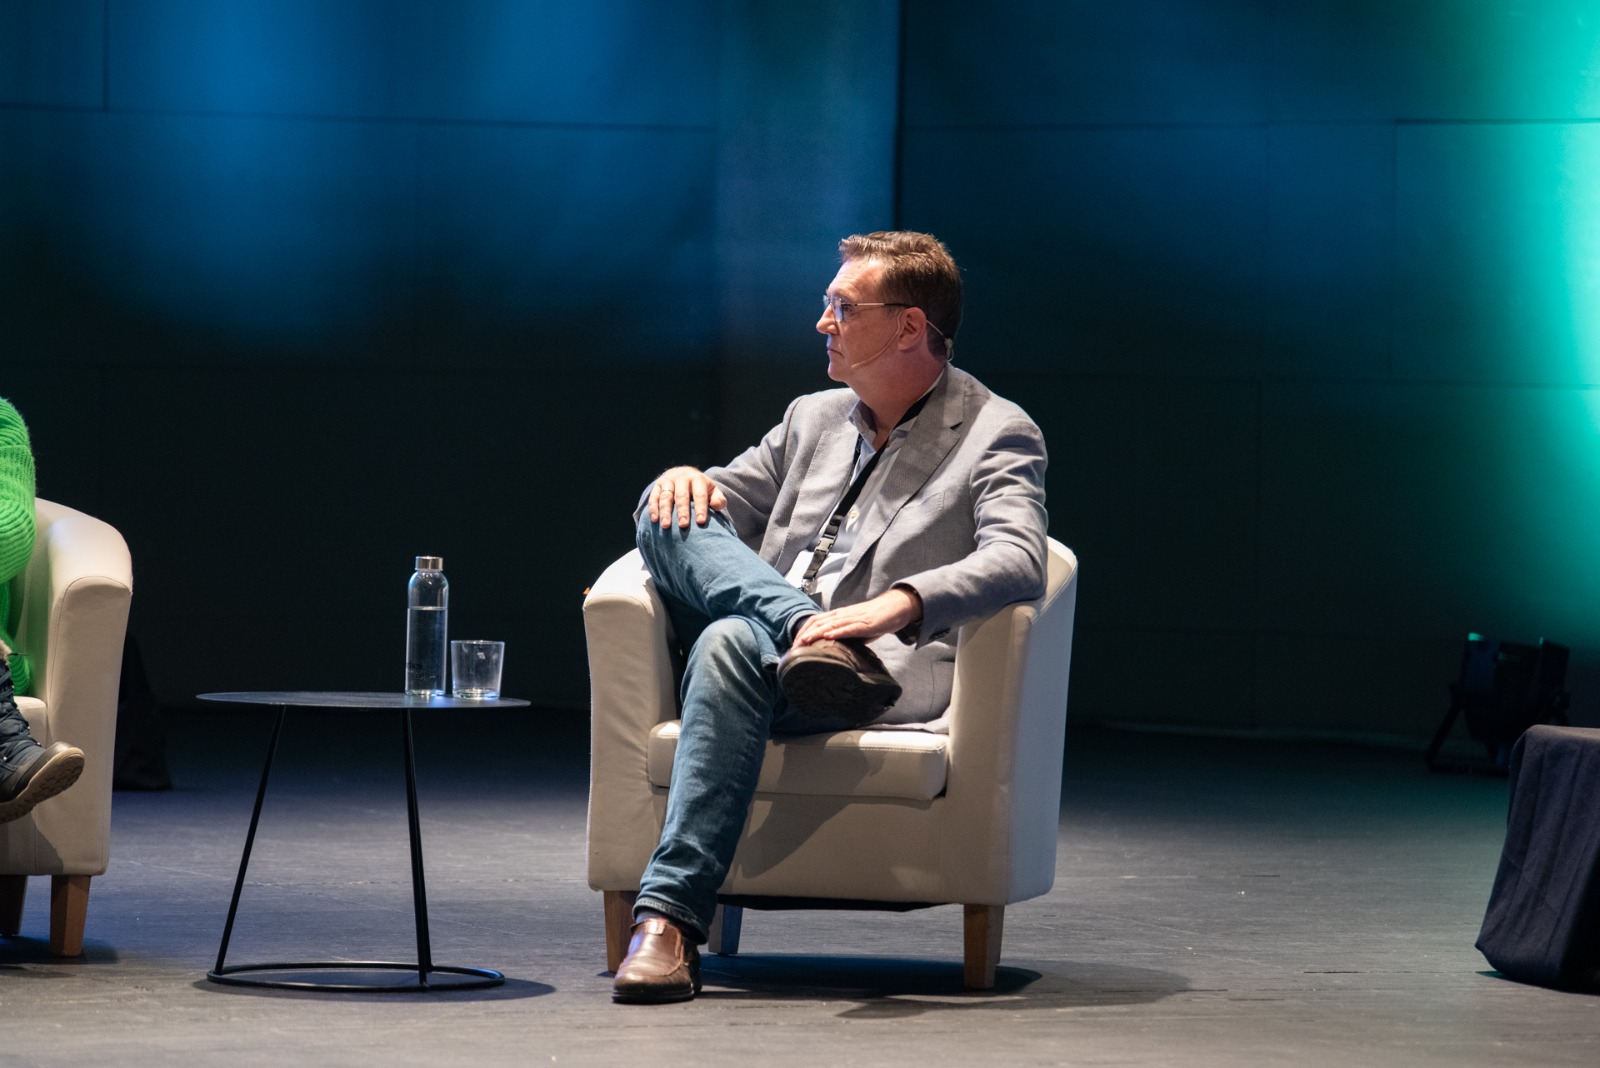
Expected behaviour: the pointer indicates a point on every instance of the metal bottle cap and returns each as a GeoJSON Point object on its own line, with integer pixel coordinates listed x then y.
{"type": "Point", "coordinates": [430, 563]}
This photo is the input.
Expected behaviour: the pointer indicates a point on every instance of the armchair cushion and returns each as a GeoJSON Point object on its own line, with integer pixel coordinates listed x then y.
{"type": "Point", "coordinates": [903, 765]}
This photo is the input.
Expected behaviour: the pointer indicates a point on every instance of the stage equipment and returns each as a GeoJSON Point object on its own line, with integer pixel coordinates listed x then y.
{"type": "Point", "coordinates": [1503, 689]}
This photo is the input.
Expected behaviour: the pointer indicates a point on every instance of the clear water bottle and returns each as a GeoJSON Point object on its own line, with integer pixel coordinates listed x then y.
{"type": "Point", "coordinates": [427, 627]}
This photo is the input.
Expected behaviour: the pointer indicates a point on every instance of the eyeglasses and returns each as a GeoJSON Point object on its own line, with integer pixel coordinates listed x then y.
{"type": "Point", "coordinates": [842, 309]}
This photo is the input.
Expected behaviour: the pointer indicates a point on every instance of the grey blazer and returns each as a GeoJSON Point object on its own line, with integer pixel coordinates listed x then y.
{"type": "Point", "coordinates": [960, 519]}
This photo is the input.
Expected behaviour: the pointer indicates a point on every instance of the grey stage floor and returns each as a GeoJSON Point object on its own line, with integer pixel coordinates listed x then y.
{"type": "Point", "coordinates": [1216, 903]}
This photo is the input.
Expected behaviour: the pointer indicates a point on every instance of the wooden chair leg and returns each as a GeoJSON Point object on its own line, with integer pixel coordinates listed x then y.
{"type": "Point", "coordinates": [13, 888]}
{"type": "Point", "coordinates": [69, 908]}
{"type": "Point", "coordinates": [983, 927]}
{"type": "Point", "coordinates": [619, 925]}
{"type": "Point", "coordinates": [723, 938]}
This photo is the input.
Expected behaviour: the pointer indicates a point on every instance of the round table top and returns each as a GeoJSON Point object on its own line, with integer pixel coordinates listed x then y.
{"type": "Point", "coordinates": [350, 699]}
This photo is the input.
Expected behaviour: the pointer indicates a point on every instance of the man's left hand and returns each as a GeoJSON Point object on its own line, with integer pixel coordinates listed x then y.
{"type": "Point", "coordinates": [891, 611]}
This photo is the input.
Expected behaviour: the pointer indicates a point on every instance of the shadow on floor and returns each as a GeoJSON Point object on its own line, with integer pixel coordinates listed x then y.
{"type": "Point", "coordinates": [888, 988]}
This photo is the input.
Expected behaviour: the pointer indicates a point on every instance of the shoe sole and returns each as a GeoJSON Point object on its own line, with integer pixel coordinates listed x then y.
{"type": "Point", "coordinates": [58, 773]}
{"type": "Point", "coordinates": [622, 997]}
{"type": "Point", "coordinates": [826, 686]}
{"type": "Point", "coordinates": [643, 995]}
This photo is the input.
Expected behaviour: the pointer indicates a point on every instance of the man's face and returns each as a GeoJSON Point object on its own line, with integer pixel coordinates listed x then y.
{"type": "Point", "coordinates": [867, 336]}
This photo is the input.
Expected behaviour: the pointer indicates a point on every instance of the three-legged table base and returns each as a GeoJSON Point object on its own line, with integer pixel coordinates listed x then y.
{"type": "Point", "coordinates": [476, 978]}
{"type": "Point", "coordinates": [287, 975]}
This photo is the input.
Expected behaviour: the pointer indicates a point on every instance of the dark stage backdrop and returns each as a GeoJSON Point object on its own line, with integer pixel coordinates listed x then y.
{"type": "Point", "coordinates": [293, 292]}
{"type": "Point", "coordinates": [1303, 295]}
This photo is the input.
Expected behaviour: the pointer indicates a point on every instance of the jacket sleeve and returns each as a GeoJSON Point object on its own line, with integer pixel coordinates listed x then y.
{"type": "Point", "coordinates": [1008, 556]}
{"type": "Point", "coordinates": [16, 526]}
{"type": "Point", "coordinates": [16, 495]}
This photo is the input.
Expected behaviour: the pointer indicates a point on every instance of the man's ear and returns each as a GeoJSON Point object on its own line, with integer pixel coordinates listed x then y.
{"type": "Point", "coordinates": [914, 329]}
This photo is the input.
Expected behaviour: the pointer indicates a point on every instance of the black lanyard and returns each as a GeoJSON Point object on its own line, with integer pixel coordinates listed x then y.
{"type": "Point", "coordinates": [830, 533]}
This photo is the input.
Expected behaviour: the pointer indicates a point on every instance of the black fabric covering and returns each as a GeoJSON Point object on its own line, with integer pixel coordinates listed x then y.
{"type": "Point", "coordinates": [1543, 921]}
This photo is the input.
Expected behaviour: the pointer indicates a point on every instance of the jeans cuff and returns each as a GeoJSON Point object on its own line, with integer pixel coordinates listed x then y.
{"type": "Point", "coordinates": [793, 624]}
{"type": "Point", "coordinates": [677, 915]}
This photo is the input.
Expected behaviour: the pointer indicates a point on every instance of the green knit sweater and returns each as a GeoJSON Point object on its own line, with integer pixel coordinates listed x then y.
{"type": "Point", "coordinates": [16, 525]}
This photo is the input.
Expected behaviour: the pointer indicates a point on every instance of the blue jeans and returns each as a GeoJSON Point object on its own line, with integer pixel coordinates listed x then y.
{"type": "Point", "coordinates": [735, 614]}
{"type": "Point", "coordinates": [15, 740]}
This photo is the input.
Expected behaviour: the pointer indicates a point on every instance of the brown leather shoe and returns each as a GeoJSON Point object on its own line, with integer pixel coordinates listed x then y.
{"type": "Point", "coordinates": [841, 678]}
{"type": "Point", "coordinates": [661, 965]}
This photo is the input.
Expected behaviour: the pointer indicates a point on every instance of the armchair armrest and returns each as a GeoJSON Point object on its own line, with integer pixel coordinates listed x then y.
{"type": "Point", "coordinates": [75, 594]}
{"type": "Point", "coordinates": [1008, 717]}
{"type": "Point", "coordinates": [633, 687]}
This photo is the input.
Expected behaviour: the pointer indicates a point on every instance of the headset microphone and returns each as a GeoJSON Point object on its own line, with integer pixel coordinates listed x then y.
{"type": "Point", "coordinates": [949, 342]}
{"type": "Point", "coordinates": [887, 345]}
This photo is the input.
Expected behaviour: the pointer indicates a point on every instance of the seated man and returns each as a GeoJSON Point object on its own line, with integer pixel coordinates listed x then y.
{"type": "Point", "coordinates": [889, 513]}
{"type": "Point", "coordinates": [29, 772]}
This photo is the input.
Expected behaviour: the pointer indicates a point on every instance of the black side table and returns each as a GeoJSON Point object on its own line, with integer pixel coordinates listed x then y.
{"type": "Point", "coordinates": [427, 971]}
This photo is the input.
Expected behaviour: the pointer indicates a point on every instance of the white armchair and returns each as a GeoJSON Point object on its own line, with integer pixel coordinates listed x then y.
{"type": "Point", "coordinates": [888, 818]}
{"type": "Point", "coordinates": [72, 601]}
